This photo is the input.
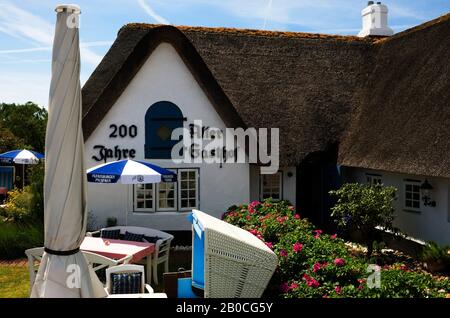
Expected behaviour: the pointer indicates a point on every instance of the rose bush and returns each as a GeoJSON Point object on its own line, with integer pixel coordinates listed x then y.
{"type": "Point", "coordinates": [316, 264]}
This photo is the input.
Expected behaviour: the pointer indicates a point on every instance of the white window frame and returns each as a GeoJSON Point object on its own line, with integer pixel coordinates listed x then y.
{"type": "Point", "coordinates": [197, 201]}
{"type": "Point", "coordinates": [136, 209]}
{"type": "Point", "coordinates": [374, 179]}
{"type": "Point", "coordinates": [412, 183]}
{"type": "Point", "coordinates": [175, 198]}
{"type": "Point", "coordinates": [261, 182]}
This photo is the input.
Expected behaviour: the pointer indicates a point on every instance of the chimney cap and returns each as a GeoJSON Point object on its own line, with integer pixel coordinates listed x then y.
{"type": "Point", "coordinates": [370, 3]}
{"type": "Point", "coordinates": [70, 8]}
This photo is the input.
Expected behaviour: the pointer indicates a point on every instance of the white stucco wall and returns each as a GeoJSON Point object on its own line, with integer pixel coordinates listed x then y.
{"type": "Point", "coordinates": [288, 188]}
{"type": "Point", "coordinates": [431, 223]}
{"type": "Point", "coordinates": [163, 77]}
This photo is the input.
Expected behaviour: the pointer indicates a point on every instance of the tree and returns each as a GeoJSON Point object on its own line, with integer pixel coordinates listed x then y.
{"type": "Point", "coordinates": [363, 207]}
{"type": "Point", "coordinates": [27, 122]}
{"type": "Point", "coordinates": [8, 141]}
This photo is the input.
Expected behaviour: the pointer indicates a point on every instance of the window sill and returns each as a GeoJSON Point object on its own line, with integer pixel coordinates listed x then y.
{"type": "Point", "coordinates": [161, 212]}
{"type": "Point", "coordinates": [412, 211]}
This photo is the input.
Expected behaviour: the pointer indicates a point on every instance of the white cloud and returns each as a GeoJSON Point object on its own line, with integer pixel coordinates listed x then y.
{"type": "Point", "coordinates": [49, 48]}
{"type": "Point", "coordinates": [20, 23]}
{"type": "Point", "coordinates": [269, 8]}
{"type": "Point", "coordinates": [152, 12]}
{"type": "Point", "coordinates": [318, 14]}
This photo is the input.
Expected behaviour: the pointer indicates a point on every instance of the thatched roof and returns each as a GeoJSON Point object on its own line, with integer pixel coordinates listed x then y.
{"type": "Point", "coordinates": [313, 87]}
{"type": "Point", "coordinates": [402, 123]}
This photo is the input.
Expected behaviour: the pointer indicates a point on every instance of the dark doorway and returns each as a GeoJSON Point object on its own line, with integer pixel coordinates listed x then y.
{"type": "Point", "coordinates": [316, 176]}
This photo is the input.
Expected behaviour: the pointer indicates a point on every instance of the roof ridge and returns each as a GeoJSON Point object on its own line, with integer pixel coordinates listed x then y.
{"type": "Point", "coordinates": [250, 32]}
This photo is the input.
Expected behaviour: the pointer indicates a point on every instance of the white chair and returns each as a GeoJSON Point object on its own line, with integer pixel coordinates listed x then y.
{"type": "Point", "coordinates": [98, 262]}
{"type": "Point", "coordinates": [161, 256]}
{"type": "Point", "coordinates": [162, 247]}
{"type": "Point", "coordinates": [123, 269]}
{"type": "Point", "coordinates": [33, 255]}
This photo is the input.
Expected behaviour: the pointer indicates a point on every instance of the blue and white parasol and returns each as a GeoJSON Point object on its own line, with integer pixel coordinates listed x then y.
{"type": "Point", "coordinates": [129, 172]}
{"type": "Point", "coordinates": [24, 157]}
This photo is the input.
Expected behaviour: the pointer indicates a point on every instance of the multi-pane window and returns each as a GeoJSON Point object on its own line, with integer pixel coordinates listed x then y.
{"type": "Point", "coordinates": [188, 188]}
{"type": "Point", "coordinates": [166, 196]}
{"type": "Point", "coordinates": [374, 179]}
{"type": "Point", "coordinates": [271, 186]}
{"type": "Point", "coordinates": [169, 196]}
{"type": "Point", "coordinates": [144, 197]}
{"type": "Point", "coordinates": [412, 195]}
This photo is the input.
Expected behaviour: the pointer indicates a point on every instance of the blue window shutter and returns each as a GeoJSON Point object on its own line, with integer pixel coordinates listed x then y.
{"type": "Point", "coordinates": [160, 120]}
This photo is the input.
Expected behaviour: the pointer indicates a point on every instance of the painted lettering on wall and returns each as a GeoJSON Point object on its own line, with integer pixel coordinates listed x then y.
{"type": "Point", "coordinates": [103, 153]}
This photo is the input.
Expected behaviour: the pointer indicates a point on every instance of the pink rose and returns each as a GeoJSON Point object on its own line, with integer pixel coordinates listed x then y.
{"type": "Point", "coordinates": [255, 203]}
{"type": "Point", "coordinates": [316, 267]}
{"type": "Point", "coordinates": [293, 286]}
{"type": "Point", "coordinates": [310, 282]}
{"type": "Point", "coordinates": [297, 247]}
{"type": "Point", "coordinates": [339, 262]}
{"type": "Point", "coordinates": [296, 216]}
{"type": "Point", "coordinates": [337, 289]}
{"type": "Point", "coordinates": [269, 244]}
{"type": "Point", "coordinates": [313, 283]}
{"type": "Point", "coordinates": [333, 236]}
{"type": "Point", "coordinates": [283, 253]}
{"type": "Point", "coordinates": [317, 233]}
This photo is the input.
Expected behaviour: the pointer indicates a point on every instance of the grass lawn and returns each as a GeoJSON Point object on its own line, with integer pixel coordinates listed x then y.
{"type": "Point", "coordinates": [14, 282]}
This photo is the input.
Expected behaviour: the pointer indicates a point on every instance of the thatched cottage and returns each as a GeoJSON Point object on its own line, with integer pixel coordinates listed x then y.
{"type": "Point", "coordinates": [373, 108]}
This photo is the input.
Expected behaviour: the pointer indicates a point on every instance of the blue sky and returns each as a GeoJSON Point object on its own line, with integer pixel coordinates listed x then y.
{"type": "Point", "coordinates": [26, 28]}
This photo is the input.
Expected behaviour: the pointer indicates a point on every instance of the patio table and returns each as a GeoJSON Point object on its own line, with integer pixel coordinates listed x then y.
{"type": "Point", "coordinates": [118, 249]}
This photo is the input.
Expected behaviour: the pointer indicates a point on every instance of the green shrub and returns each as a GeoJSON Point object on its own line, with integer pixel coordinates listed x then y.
{"type": "Point", "coordinates": [363, 207]}
{"type": "Point", "coordinates": [18, 206]}
{"type": "Point", "coordinates": [36, 178]}
{"type": "Point", "coordinates": [27, 204]}
{"type": "Point", "coordinates": [16, 238]}
{"type": "Point", "coordinates": [315, 264]}
{"type": "Point", "coordinates": [436, 256]}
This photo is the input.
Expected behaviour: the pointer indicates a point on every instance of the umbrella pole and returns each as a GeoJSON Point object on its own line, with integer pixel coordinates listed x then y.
{"type": "Point", "coordinates": [126, 205]}
{"type": "Point", "coordinates": [23, 177]}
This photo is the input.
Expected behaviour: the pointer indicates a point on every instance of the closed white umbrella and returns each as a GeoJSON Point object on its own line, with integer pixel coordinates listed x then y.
{"type": "Point", "coordinates": [63, 271]}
